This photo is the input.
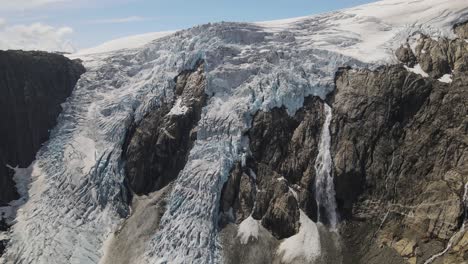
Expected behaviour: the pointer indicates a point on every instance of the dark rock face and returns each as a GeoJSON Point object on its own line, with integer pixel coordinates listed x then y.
{"type": "Point", "coordinates": [278, 179]}
{"type": "Point", "coordinates": [3, 242]}
{"type": "Point", "coordinates": [400, 156]}
{"type": "Point", "coordinates": [2, 246]}
{"type": "Point", "coordinates": [370, 111]}
{"type": "Point", "coordinates": [32, 87]}
{"type": "Point", "coordinates": [404, 53]}
{"type": "Point", "coordinates": [437, 57]}
{"type": "Point", "coordinates": [239, 194]}
{"type": "Point", "coordinates": [462, 30]}
{"type": "Point", "coordinates": [156, 150]}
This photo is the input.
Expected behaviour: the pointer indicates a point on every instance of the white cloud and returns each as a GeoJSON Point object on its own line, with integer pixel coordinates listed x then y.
{"type": "Point", "coordinates": [129, 19]}
{"type": "Point", "coordinates": [36, 36]}
{"type": "Point", "coordinates": [2, 22]}
{"type": "Point", "coordinates": [8, 5]}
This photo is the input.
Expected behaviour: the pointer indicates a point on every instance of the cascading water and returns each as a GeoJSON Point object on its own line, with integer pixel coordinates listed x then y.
{"type": "Point", "coordinates": [324, 186]}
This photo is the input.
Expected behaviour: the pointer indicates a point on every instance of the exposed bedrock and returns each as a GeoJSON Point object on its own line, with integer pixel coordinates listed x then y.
{"type": "Point", "coordinates": [155, 151]}
{"type": "Point", "coordinates": [281, 166]}
{"type": "Point", "coordinates": [400, 155]}
{"type": "Point", "coordinates": [157, 148]}
{"type": "Point", "coordinates": [264, 197]}
{"type": "Point", "coordinates": [32, 86]}
{"type": "Point", "coordinates": [437, 57]}
{"type": "Point", "coordinates": [461, 30]}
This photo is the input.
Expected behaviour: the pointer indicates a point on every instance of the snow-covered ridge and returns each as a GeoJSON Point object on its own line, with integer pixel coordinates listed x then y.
{"type": "Point", "coordinates": [78, 196]}
{"type": "Point", "coordinates": [369, 32]}
{"type": "Point", "coordinates": [131, 42]}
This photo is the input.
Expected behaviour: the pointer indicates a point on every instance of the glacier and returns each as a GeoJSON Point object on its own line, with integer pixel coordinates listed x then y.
{"type": "Point", "coordinates": [77, 196]}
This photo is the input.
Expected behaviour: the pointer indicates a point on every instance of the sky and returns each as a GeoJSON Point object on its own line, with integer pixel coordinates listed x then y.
{"type": "Point", "coordinates": [71, 25]}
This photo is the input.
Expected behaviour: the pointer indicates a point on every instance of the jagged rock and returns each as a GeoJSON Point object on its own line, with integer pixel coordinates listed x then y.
{"type": "Point", "coordinates": [461, 30]}
{"type": "Point", "coordinates": [2, 246]}
{"type": "Point", "coordinates": [3, 225]}
{"type": "Point", "coordinates": [405, 55]}
{"type": "Point", "coordinates": [439, 57]}
{"type": "Point", "coordinates": [400, 155]}
{"type": "Point", "coordinates": [280, 170]}
{"type": "Point", "coordinates": [282, 214]}
{"type": "Point", "coordinates": [238, 195]}
{"type": "Point", "coordinates": [33, 84]}
{"type": "Point", "coordinates": [368, 106]}
{"type": "Point", "coordinates": [157, 148]}
{"type": "Point", "coordinates": [433, 56]}
{"type": "Point", "coordinates": [405, 247]}
{"type": "Point", "coordinates": [458, 55]}
{"type": "Point", "coordinates": [460, 247]}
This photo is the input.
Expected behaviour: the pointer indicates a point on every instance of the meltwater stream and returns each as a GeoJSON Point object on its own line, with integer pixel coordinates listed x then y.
{"type": "Point", "coordinates": [324, 186]}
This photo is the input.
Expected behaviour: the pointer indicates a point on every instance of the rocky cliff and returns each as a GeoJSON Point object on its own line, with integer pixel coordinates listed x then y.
{"type": "Point", "coordinates": [402, 138]}
{"type": "Point", "coordinates": [32, 87]}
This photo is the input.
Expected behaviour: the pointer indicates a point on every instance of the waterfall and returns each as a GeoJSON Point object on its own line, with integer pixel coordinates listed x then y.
{"type": "Point", "coordinates": [324, 187]}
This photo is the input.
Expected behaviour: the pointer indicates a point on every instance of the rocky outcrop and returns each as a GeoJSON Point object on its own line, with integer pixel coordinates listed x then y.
{"type": "Point", "coordinates": [274, 184]}
{"type": "Point", "coordinates": [278, 178]}
{"type": "Point", "coordinates": [3, 242]}
{"type": "Point", "coordinates": [461, 30]}
{"type": "Point", "coordinates": [157, 148]}
{"type": "Point", "coordinates": [32, 87]}
{"type": "Point", "coordinates": [400, 155]}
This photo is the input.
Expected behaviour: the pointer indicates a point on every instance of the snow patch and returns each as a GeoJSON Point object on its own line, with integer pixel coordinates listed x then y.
{"type": "Point", "coordinates": [294, 193]}
{"type": "Point", "coordinates": [305, 244]}
{"type": "Point", "coordinates": [248, 229]}
{"type": "Point", "coordinates": [130, 42]}
{"type": "Point", "coordinates": [178, 108]}
{"type": "Point", "coordinates": [447, 78]}
{"type": "Point", "coordinates": [418, 70]}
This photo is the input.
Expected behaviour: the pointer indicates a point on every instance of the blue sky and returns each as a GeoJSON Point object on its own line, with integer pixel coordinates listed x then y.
{"type": "Point", "coordinates": [86, 23]}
